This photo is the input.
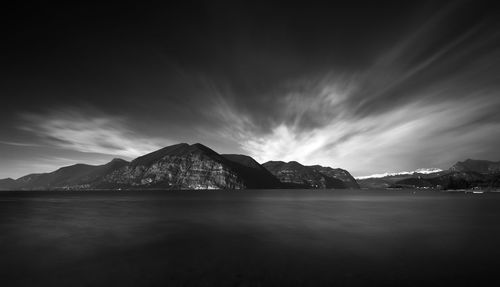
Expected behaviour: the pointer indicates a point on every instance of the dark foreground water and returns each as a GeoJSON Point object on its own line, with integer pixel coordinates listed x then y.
{"type": "Point", "coordinates": [251, 238]}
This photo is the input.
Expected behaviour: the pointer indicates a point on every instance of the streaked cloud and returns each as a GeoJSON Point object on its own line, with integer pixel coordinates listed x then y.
{"type": "Point", "coordinates": [374, 89]}
{"type": "Point", "coordinates": [419, 105]}
{"type": "Point", "coordinates": [90, 132]}
{"type": "Point", "coordinates": [419, 133]}
{"type": "Point", "coordinates": [19, 144]}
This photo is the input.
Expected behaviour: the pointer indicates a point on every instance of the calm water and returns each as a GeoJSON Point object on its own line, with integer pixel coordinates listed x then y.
{"type": "Point", "coordinates": [251, 238]}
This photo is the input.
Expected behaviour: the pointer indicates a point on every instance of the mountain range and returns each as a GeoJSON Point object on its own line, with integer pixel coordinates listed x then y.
{"type": "Point", "coordinates": [184, 166]}
{"type": "Point", "coordinates": [462, 175]}
{"type": "Point", "coordinates": [386, 174]}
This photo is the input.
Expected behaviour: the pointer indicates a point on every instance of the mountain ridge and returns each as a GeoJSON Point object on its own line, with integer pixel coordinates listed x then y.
{"type": "Point", "coordinates": [195, 166]}
{"type": "Point", "coordinates": [417, 171]}
{"type": "Point", "coordinates": [179, 166]}
{"type": "Point", "coordinates": [295, 175]}
{"type": "Point", "coordinates": [468, 174]}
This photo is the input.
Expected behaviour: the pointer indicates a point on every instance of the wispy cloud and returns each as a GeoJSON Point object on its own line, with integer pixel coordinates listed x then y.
{"type": "Point", "coordinates": [19, 144]}
{"type": "Point", "coordinates": [419, 105]}
{"type": "Point", "coordinates": [419, 134]}
{"type": "Point", "coordinates": [90, 132]}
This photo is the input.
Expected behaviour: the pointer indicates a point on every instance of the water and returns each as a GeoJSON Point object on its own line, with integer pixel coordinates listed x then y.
{"type": "Point", "coordinates": [250, 238]}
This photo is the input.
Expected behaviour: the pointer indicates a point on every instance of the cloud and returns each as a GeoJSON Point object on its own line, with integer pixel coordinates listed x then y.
{"type": "Point", "coordinates": [320, 121]}
{"type": "Point", "coordinates": [89, 132]}
{"type": "Point", "coordinates": [419, 133]}
{"type": "Point", "coordinates": [422, 95]}
{"type": "Point", "coordinates": [425, 102]}
{"type": "Point", "coordinates": [19, 144]}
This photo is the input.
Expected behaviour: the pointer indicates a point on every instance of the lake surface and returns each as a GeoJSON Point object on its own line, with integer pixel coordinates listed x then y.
{"type": "Point", "coordinates": [249, 238]}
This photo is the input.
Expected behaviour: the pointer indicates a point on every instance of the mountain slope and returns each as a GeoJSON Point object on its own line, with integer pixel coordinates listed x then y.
{"type": "Point", "coordinates": [295, 175]}
{"type": "Point", "coordinates": [453, 180]}
{"type": "Point", "coordinates": [70, 177]}
{"type": "Point", "coordinates": [479, 166]}
{"type": "Point", "coordinates": [393, 179]}
{"type": "Point", "coordinates": [253, 174]}
{"type": "Point", "coordinates": [337, 173]}
{"type": "Point", "coordinates": [196, 166]}
{"type": "Point", "coordinates": [180, 166]}
{"type": "Point", "coordinates": [184, 166]}
{"type": "Point", "coordinates": [7, 184]}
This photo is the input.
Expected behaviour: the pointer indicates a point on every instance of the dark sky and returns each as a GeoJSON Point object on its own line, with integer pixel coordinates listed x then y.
{"type": "Point", "coordinates": [371, 87]}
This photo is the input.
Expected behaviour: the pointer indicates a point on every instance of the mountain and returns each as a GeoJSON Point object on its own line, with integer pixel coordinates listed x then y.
{"type": "Point", "coordinates": [479, 166]}
{"type": "Point", "coordinates": [184, 166]}
{"type": "Point", "coordinates": [452, 180]}
{"type": "Point", "coordinates": [76, 176]}
{"type": "Point", "coordinates": [387, 174]}
{"type": "Point", "coordinates": [180, 166]}
{"type": "Point", "coordinates": [337, 173]}
{"type": "Point", "coordinates": [196, 166]}
{"type": "Point", "coordinates": [469, 174]}
{"type": "Point", "coordinates": [253, 174]}
{"type": "Point", "coordinates": [390, 179]}
{"type": "Point", "coordinates": [295, 175]}
{"type": "Point", "coordinates": [7, 184]}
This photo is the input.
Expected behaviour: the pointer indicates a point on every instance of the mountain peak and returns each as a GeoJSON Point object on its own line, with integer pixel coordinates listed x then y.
{"type": "Point", "coordinates": [155, 155]}
{"type": "Point", "coordinates": [294, 164]}
{"type": "Point", "coordinates": [116, 162]}
{"type": "Point", "coordinates": [199, 146]}
{"type": "Point", "coordinates": [474, 165]}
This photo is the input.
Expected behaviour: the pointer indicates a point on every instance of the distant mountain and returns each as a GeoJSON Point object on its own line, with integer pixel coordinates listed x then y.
{"type": "Point", "coordinates": [462, 175]}
{"type": "Point", "coordinates": [468, 174]}
{"type": "Point", "coordinates": [7, 184]}
{"type": "Point", "coordinates": [387, 174]}
{"type": "Point", "coordinates": [295, 175]}
{"type": "Point", "coordinates": [479, 166]}
{"type": "Point", "coordinates": [451, 180]}
{"type": "Point", "coordinates": [386, 180]}
{"type": "Point", "coordinates": [78, 176]}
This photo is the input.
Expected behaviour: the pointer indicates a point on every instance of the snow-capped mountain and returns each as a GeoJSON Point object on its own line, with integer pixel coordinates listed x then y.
{"type": "Point", "coordinates": [420, 170]}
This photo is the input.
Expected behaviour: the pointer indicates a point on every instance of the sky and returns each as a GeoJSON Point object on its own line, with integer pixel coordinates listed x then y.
{"type": "Point", "coordinates": [369, 87]}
